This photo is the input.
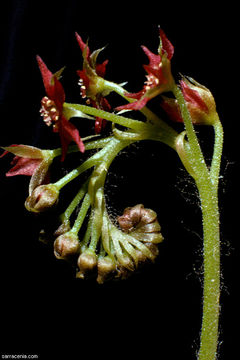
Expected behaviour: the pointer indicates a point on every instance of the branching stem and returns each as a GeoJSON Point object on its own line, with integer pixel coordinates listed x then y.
{"type": "Point", "coordinates": [207, 184]}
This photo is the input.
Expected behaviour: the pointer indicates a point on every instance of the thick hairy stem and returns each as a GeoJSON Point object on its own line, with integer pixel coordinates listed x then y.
{"type": "Point", "coordinates": [211, 262]}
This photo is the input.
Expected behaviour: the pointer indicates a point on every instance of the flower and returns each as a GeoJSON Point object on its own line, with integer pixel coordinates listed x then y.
{"type": "Point", "coordinates": [159, 76]}
{"type": "Point", "coordinates": [92, 83]}
{"type": "Point", "coordinates": [29, 161]}
{"type": "Point", "coordinates": [52, 109]}
{"type": "Point", "coordinates": [199, 100]}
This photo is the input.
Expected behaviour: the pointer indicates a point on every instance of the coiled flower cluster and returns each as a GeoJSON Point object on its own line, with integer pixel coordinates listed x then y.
{"type": "Point", "coordinates": [122, 249]}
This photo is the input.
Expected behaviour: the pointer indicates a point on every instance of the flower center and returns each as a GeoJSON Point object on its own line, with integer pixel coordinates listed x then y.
{"type": "Point", "coordinates": [82, 88]}
{"type": "Point", "coordinates": [151, 81]}
{"type": "Point", "coordinates": [49, 111]}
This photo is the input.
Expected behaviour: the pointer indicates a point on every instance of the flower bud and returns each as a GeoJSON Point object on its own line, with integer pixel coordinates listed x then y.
{"type": "Point", "coordinates": [106, 269]}
{"type": "Point", "coordinates": [66, 246]}
{"type": "Point", "coordinates": [200, 102]}
{"type": "Point", "coordinates": [42, 198]}
{"type": "Point", "coordinates": [87, 263]}
{"type": "Point", "coordinates": [141, 223]}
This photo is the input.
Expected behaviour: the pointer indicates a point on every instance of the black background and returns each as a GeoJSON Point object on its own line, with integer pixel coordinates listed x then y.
{"type": "Point", "coordinates": [157, 313]}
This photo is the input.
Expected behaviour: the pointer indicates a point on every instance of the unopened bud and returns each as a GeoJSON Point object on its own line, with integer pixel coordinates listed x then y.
{"type": "Point", "coordinates": [87, 263]}
{"type": "Point", "coordinates": [42, 198]}
{"type": "Point", "coordinates": [106, 269]}
{"type": "Point", "coordinates": [200, 102]}
{"type": "Point", "coordinates": [141, 223]}
{"type": "Point", "coordinates": [66, 246]}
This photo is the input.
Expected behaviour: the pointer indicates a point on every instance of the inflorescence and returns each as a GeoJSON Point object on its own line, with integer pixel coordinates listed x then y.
{"type": "Point", "coordinates": [107, 250]}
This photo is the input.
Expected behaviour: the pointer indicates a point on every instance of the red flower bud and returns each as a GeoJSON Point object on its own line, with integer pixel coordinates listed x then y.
{"type": "Point", "coordinates": [199, 100]}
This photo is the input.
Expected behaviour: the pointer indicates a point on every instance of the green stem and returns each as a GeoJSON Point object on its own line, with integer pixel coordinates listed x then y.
{"type": "Point", "coordinates": [198, 163]}
{"type": "Point", "coordinates": [74, 203]}
{"type": "Point", "coordinates": [96, 144]}
{"type": "Point", "coordinates": [147, 112]}
{"type": "Point", "coordinates": [163, 133]}
{"type": "Point", "coordinates": [88, 232]}
{"type": "Point", "coordinates": [81, 215]}
{"type": "Point", "coordinates": [217, 153]}
{"type": "Point", "coordinates": [208, 191]}
{"type": "Point", "coordinates": [92, 161]}
{"type": "Point", "coordinates": [121, 120]}
{"type": "Point", "coordinates": [207, 184]}
{"type": "Point", "coordinates": [211, 261]}
{"type": "Point", "coordinates": [96, 188]}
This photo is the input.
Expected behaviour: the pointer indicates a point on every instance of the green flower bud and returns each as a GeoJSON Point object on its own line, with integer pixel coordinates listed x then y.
{"type": "Point", "coordinates": [66, 246]}
{"type": "Point", "coordinates": [42, 198]}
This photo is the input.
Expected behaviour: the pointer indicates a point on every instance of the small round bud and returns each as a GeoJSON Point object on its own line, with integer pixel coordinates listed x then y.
{"type": "Point", "coordinates": [130, 218]}
{"type": "Point", "coordinates": [87, 263]}
{"type": "Point", "coordinates": [42, 198]}
{"type": "Point", "coordinates": [66, 246]}
{"type": "Point", "coordinates": [106, 269]}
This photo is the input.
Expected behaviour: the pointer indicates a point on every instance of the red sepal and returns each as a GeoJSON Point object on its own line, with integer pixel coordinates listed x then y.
{"type": "Point", "coordinates": [53, 87]}
{"type": "Point", "coordinates": [166, 45]}
{"type": "Point", "coordinates": [68, 132]}
{"type": "Point", "coordinates": [192, 96]}
{"type": "Point", "coordinates": [23, 166]}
